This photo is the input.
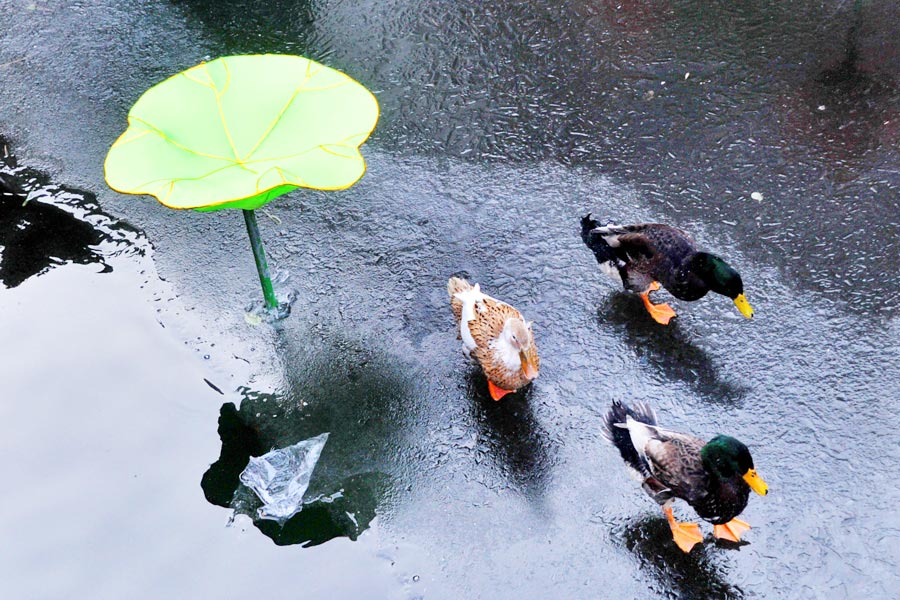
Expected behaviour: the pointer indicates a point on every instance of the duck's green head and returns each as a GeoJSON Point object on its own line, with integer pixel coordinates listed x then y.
{"type": "Point", "coordinates": [724, 457]}
{"type": "Point", "coordinates": [722, 279]}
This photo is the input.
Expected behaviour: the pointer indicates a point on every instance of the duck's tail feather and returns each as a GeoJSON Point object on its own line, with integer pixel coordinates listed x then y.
{"type": "Point", "coordinates": [588, 236]}
{"type": "Point", "coordinates": [606, 255]}
{"type": "Point", "coordinates": [615, 430]}
{"type": "Point", "coordinates": [454, 286]}
{"type": "Point", "coordinates": [587, 224]}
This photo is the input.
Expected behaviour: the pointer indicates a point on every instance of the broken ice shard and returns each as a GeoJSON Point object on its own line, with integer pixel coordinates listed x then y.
{"type": "Point", "coordinates": [280, 477]}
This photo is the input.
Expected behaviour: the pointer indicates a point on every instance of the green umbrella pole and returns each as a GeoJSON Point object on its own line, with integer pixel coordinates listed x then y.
{"type": "Point", "coordinates": [260, 255]}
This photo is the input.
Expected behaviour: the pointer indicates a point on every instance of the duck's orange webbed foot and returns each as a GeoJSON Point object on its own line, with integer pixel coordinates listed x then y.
{"type": "Point", "coordinates": [496, 391]}
{"type": "Point", "coordinates": [732, 530]}
{"type": "Point", "coordinates": [661, 313]}
{"type": "Point", "coordinates": [686, 535]}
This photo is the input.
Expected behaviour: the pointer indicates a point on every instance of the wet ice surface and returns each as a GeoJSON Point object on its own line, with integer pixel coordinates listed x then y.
{"type": "Point", "coordinates": [501, 125]}
{"type": "Point", "coordinates": [534, 471]}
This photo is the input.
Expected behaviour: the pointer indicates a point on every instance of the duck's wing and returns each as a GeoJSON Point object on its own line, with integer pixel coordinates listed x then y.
{"type": "Point", "coordinates": [615, 235]}
{"type": "Point", "coordinates": [456, 285]}
{"type": "Point", "coordinates": [488, 321]}
{"type": "Point", "coordinates": [646, 240]}
{"type": "Point", "coordinates": [636, 248]}
{"type": "Point", "coordinates": [491, 317]}
{"type": "Point", "coordinates": [674, 459]}
{"type": "Point", "coordinates": [650, 251]}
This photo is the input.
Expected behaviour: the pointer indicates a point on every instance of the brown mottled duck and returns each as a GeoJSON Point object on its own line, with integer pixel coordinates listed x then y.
{"type": "Point", "coordinates": [495, 335]}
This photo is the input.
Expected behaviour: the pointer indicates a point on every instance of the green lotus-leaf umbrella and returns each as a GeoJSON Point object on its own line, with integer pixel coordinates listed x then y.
{"type": "Point", "coordinates": [240, 131]}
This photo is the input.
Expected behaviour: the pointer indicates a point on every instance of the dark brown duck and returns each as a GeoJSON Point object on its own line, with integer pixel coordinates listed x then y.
{"type": "Point", "coordinates": [647, 255]}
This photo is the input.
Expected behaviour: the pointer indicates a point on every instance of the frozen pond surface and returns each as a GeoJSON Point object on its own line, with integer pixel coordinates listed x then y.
{"type": "Point", "coordinates": [502, 124]}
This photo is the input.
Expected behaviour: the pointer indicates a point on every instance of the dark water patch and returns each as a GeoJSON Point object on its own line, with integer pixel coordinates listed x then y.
{"type": "Point", "coordinates": [341, 508]}
{"type": "Point", "coordinates": [346, 511]}
{"type": "Point", "coordinates": [36, 235]}
{"type": "Point", "coordinates": [240, 441]}
{"type": "Point", "coordinates": [339, 387]}
{"type": "Point", "coordinates": [847, 112]}
{"type": "Point", "coordinates": [347, 515]}
{"type": "Point", "coordinates": [43, 225]}
{"type": "Point", "coordinates": [847, 73]}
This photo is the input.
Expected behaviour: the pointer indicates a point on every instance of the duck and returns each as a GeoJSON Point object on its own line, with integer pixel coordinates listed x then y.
{"type": "Point", "coordinates": [496, 335]}
{"type": "Point", "coordinates": [714, 477]}
{"type": "Point", "coordinates": [646, 255]}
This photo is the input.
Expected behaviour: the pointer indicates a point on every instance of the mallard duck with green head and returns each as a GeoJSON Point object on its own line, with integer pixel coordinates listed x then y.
{"type": "Point", "coordinates": [644, 256]}
{"type": "Point", "coordinates": [714, 477]}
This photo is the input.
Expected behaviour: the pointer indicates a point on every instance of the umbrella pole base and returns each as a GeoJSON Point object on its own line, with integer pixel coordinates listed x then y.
{"type": "Point", "coordinates": [259, 254]}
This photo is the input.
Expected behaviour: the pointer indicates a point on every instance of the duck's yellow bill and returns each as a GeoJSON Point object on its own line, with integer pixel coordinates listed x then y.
{"type": "Point", "coordinates": [756, 482]}
{"type": "Point", "coordinates": [744, 306]}
{"type": "Point", "coordinates": [528, 367]}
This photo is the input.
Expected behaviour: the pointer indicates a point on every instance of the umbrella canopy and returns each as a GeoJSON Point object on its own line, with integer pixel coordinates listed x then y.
{"type": "Point", "coordinates": [240, 131]}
